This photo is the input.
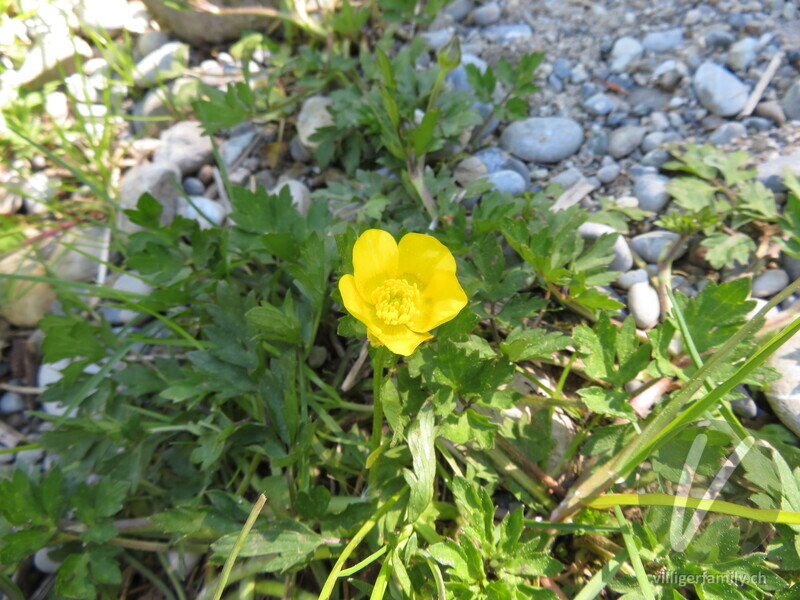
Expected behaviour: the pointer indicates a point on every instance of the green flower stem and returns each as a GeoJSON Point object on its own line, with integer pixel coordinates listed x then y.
{"type": "Point", "coordinates": [327, 589]}
{"type": "Point", "coordinates": [237, 546]}
{"type": "Point", "coordinates": [378, 363]}
{"type": "Point", "coordinates": [633, 554]}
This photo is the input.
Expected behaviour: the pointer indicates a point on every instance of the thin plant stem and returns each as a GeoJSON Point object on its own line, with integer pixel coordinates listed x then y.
{"type": "Point", "coordinates": [327, 589]}
{"type": "Point", "coordinates": [633, 553]}
{"type": "Point", "coordinates": [237, 546]}
{"type": "Point", "coordinates": [378, 364]}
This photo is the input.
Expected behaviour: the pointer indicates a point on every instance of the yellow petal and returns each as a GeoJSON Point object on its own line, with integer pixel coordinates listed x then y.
{"type": "Point", "coordinates": [354, 302]}
{"type": "Point", "coordinates": [398, 338]}
{"type": "Point", "coordinates": [421, 256]}
{"type": "Point", "coordinates": [441, 300]}
{"type": "Point", "coordinates": [374, 260]}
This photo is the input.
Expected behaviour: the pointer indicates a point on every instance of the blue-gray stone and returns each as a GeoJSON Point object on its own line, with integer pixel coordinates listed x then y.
{"type": "Point", "coordinates": [627, 279]}
{"type": "Point", "coordinates": [507, 181]}
{"type": "Point", "coordinates": [769, 283]}
{"type": "Point", "coordinates": [662, 41]}
{"type": "Point", "coordinates": [487, 14]}
{"type": "Point", "coordinates": [599, 104]}
{"type": "Point", "coordinates": [742, 54]}
{"type": "Point", "coordinates": [719, 39]}
{"type": "Point", "coordinates": [791, 101]}
{"type": "Point", "coordinates": [719, 90]}
{"type": "Point", "coordinates": [656, 157]}
{"type": "Point", "coordinates": [11, 402]}
{"type": "Point", "coordinates": [651, 191]}
{"type": "Point", "coordinates": [562, 68]}
{"type": "Point", "coordinates": [637, 171]}
{"type": "Point", "coordinates": [616, 119]}
{"type": "Point", "coordinates": [739, 20]}
{"type": "Point", "coordinates": [625, 140]}
{"type": "Point", "coordinates": [497, 160]}
{"type": "Point", "coordinates": [597, 144]}
{"type": "Point", "coordinates": [458, 9]}
{"type": "Point", "coordinates": [608, 173]}
{"type": "Point", "coordinates": [566, 179]}
{"type": "Point", "coordinates": [506, 34]}
{"type": "Point", "coordinates": [650, 245]}
{"type": "Point", "coordinates": [726, 133]}
{"type": "Point", "coordinates": [555, 82]}
{"type": "Point", "coordinates": [543, 139]}
{"type": "Point", "coordinates": [589, 89]}
{"type": "Point", "coordinates": [652, 141]}
{"type": "Point", "coordinates": [437, 38]}
{"type": "Point", "coordinates": [626, 50]}
{"type": "Point", "coordinates": [457, 78]}
{"type": "Point", "coordinates": [193, 186]}
{"type": "Point", "coordinates": [757, 124]}
{"type": "Point", "coordinates": [745, 407]}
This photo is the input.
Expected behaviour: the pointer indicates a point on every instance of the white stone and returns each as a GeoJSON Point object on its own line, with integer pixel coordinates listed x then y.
{"type": "Point", "coordinates": [300, 194]}
{"type": "Point", "coordinates": [103, 15]}
{"type": "Point", "coordinates": [625, 51]}
{"type": "Point", "coordinates": [784, 394]}
{"type": "Point", "coordinates": [644, 304]}
{"type": "Point", "coordinates": [202, 210]}
{"type": "Point", "coordinates": [313, 115]}
{"type": "Point", "coordinates": [43, 562]}
{"type": "Point", "coordinates": [51, 56]}
{"type": "Point", "coordinates": [57, 106]}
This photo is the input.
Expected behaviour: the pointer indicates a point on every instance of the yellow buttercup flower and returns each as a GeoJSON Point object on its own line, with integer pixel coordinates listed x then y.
{"type": "Point", "coordinates": [401, 291]}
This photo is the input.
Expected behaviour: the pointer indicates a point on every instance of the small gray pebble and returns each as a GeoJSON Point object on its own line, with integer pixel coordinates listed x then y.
{"type": "Point", "coordinates": [193, 186]}
{"type": "Point", "coordinates": [567, 178]}
{"type": "Point", "coordinates": [742, 54]}
{"type": "Point", "coordinates": [652, 141]}
{"type": "Point", "coordinates": [627, 279]}
{"type": "Point", "coordinates": [650, 245]}
{"type": "Point", "coordinates": [745, 407]}
{"type": "Point", "coordinates": [727, 133]}
{"type": "Point", "coordinates": [626, 50]}
{"type": "Point", "coordinates": [662, 41]}
{"type": "Point", "coordinates": [637, 171]}
{"type": "Point", "coordinates": [719, 90]}
{"type": "Point", "coordinates": [608, 173]}
{"type": "Point", "coordinates": [625, 140]}
{"type": "Point", "coordinates": [555, 82]}
{"type": "Point", "coordinates": [656, 158]}
{"type": "Point", "coordinates": [507, 181]}
{"type": "Point", "coordinates": [769, 283]}
{"type": "Point", "coordinates": [659, 120]}
{"type": "Point", "coordinates": [792, 266]}
{"type": "Point", "coordinates": [487, 14]}
{"type": "Point", "coordinates": [757, 124]}
{"type": "Point", "coordinates": [11, 402]}
{"type": "Point", "coordinates": [599, 104]}
{"type": "Point", "coordinates": [562, 68]}
{"type": "Point", "coordinates": [651, 191]}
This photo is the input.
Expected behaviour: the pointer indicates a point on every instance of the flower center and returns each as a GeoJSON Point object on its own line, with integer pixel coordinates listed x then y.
{"type": "Point", "coordinates": [396, 301]}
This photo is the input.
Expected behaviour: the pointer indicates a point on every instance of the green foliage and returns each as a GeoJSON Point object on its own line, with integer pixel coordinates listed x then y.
{"type": "Point", "coordinates": [240, 375]}
{"type": "Point", "coordinates": [719, 196]}
{"type": "Point", "coordinates": [550, 243]}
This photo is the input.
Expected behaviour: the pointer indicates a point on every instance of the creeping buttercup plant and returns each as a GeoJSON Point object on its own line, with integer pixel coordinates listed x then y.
{"type": "Point", "coordinates": [227, 441]}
